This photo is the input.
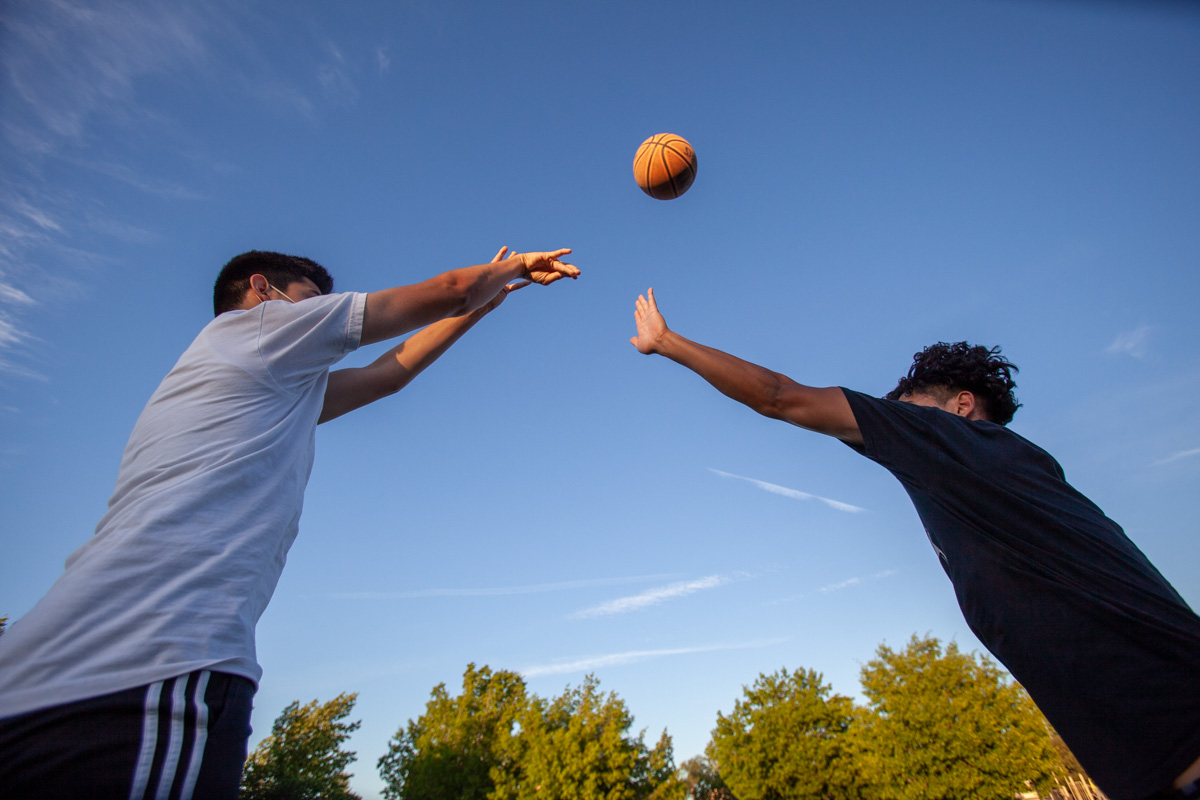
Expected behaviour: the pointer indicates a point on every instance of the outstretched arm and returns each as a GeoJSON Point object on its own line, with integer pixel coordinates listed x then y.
{"type": "Point", "coordinates": [355, 387]}
{"type": "Point", "coordinates": [394, 312]}
{"type": "Point", "coordinates": [824, 410]}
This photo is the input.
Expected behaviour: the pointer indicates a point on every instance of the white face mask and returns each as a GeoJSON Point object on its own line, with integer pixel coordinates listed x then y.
{"type": "Point", "coordinates": [276, 288]}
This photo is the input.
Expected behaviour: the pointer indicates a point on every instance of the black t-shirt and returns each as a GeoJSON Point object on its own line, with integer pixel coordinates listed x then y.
{"type": "Point", "coordinates": [1105, 646]}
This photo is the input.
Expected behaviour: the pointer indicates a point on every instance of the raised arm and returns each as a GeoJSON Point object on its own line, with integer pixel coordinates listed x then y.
{"type": "Point", "coordinates": [395, 312]}
{"type": "Point", "coordinates": [824, 410]}
{"type": "Point", "coordinates": [355, 387]}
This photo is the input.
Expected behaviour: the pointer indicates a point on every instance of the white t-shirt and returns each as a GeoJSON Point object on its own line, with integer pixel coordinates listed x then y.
{"type": "Point", "coordinates": [207, 503]}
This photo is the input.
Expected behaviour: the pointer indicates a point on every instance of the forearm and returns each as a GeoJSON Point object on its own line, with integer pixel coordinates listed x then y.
{"type": "Point", "coordinates": [353, 388]}
{"type": "Point", "coordinates": [453, 294]}
{"type": "Point", "coordinates": [749, 384]}
{"type": "Point", "coordinates": [772, 394]}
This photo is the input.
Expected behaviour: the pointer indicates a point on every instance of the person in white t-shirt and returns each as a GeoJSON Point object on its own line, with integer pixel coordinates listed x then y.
{"type": "Point", "coordinates": [133, 677]}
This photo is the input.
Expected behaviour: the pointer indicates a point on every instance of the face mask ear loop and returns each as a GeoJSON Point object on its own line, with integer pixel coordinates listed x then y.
{"type": "Point", "coordinates": [276, 288]}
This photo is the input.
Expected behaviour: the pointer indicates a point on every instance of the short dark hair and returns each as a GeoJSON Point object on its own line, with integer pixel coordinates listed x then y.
{"type": "Point", "coordinates": [279, 269]}
{"type": "Point", "coordinates": [960, 366]}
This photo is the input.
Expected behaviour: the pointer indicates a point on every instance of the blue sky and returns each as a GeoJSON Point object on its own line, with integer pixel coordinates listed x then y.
{"type": "Point", "coordinates": [873, 177]}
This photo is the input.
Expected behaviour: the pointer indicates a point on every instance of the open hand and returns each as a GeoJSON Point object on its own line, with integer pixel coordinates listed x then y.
{"type": "Point", "coordinates": [651, 327]}
{"type": "Point", "coordinates": [545, 268]}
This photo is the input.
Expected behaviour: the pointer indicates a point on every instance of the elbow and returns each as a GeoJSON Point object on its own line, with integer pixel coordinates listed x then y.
{"type": "Point", "coordinates": [770, 401]}
{"type": "Point", "coordinates": [779, 399]}
{"type": "Point", "coordinates": [391, 385]}
{"type": "Point", "coordinates": [461, 293]}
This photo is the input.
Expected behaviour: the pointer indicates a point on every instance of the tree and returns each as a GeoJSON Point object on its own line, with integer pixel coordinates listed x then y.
{"type": "Point", "coordinates": [702, 782]}
{"type": "Point", "coordinates": [302, 759]}
{"type": "Point", "coordinates": [946, 724]}
{"type": "Point", "coordinates": [454, 748]}
{"type": "Point", "coordinates": [3, 624]}
{"type": "Point", "coordinates": [578, 747]}
{"type": "Point", "coordinates": [786, 739]}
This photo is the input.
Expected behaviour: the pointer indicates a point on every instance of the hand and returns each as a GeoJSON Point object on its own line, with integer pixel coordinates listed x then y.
{"type": "Point", "coordinates": [495, 302]}
{"type": "Point", "coordinates": [651, 327]}
{"type": "Point", "coordinates": [545, 268]}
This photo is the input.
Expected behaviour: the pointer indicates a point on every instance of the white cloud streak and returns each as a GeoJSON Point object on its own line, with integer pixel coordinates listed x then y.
{"type": "Point", "coordinates": [590, 663]}
{"type": "Point", "coordinates": [66, 64]}
{"type": "Point", "coordinates": [1182, 454]}
{"type": "Point", "coordinates": [795, 494]}
{"type": "Point", "coordinates": [497, 591]}
{"type": "Point", "coordinates": [846, 584]}
{"type": "Point", "coordinates": [849, 583]}
{"type": "Point", "coordinates": [1131, 343]}
{"type": "Point", "coordinates": [69, 60]}
{"type": "Point", "coordinates": [651, 597]}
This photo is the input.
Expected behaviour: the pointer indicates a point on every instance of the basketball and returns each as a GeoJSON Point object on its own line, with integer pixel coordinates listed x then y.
{"type": "Point", "coordinates": [665, 166]}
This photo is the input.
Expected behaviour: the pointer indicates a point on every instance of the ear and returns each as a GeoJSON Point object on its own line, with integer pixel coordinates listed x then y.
{"type": "Point", "coordinates": [965, 405]}
{"type": "Point", "coordinates": [259, 291]}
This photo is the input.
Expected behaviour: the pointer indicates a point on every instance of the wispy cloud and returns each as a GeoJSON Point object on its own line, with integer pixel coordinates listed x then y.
{"type": "Point", "coordinates": [590, 663]}
{"type": "Point", "coordinates": [10, 334]}
{"type": "Point", "coordinates": [846, 584]}
{"type": "Point", "coordinates": [498, 591]}
{"type": "Point", "coordinates": [652, 597]}
{"type": "Point", "coordinates": [382, 60]}
{"type": "Point", "coordinates": [67, 64]}
{"type": "Point", "coordinates": [150, 185]}
{"type": "Point", "coordinates": [795, 494]}
{"type": "Point", "coordinates": [849, 583]}
{"type": "Point", "coordinates": [69, 60]}
{"type": "Point", "coordinates": [1182, 454]}
{"type": "Point", "coordinates": [334, 76]}
{"type": "Point", "coordinates": [1131, 343]}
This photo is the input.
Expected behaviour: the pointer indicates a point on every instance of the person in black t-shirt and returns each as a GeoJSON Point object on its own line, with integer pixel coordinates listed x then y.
{"type": "Point", "coordinates": [1037, 567]}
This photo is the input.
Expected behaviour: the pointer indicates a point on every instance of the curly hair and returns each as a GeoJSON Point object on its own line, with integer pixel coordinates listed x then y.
{"type": "Point", "coordinates": [279, 269]}
{"type": "Point", "coordinates": [956, 367]}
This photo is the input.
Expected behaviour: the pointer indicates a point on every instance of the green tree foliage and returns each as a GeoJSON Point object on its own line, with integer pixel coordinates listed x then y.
{"type": "Point", "coordinates": [949, 726]}
{"type": "Point", "coordinates": [452, 751]}
{"type": "Point", "coordinates": [302, 759]}
{"type": "Point", "coordinates": [786, 739]}
{"type": "Point", "coordinates": [494, 741]}
{"type": "Point", "coordinates": [702, 781]}
{"type": "Point", "coordinates": [578, 747]}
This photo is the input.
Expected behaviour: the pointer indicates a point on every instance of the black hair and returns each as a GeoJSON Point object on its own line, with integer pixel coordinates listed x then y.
{"type": "Point", "coordinates": [944, 367]}
{"type": "Point", "coordinates": [281, 270]}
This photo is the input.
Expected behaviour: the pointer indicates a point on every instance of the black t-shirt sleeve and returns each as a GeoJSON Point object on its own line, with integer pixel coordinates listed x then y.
{"type": "Point", "coordinates": [897, 436]}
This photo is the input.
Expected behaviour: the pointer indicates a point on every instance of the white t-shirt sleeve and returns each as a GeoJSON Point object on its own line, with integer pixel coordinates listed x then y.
{"type": "Point", "coordinates": [298, 342]}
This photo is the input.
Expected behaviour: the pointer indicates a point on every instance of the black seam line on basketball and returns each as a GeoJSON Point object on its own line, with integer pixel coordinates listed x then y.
{"type": "Point", "coordinates": [640, 157]}
{"type": "Point", "coordinates": [662, 153]}
{"type": "Point", "coordinates": [671, 176]}
{"type": "Point", "coordinates": [686, 160]}
{"type": "Point", "coordinates": [689, 165]}
{"type": "Point", "coordinates": [650, 161]}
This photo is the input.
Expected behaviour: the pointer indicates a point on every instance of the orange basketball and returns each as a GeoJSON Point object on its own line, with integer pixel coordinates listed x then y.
{"type": "Point", "coordinates": [665, 166]}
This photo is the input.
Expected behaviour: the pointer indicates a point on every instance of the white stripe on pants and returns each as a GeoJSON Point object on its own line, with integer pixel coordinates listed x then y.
{"type": "Point", "coordinates": [174, 759]}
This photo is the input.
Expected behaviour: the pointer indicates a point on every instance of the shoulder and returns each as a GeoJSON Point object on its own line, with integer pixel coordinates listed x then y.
{"type": "Point", "coordinates": [868, 410]}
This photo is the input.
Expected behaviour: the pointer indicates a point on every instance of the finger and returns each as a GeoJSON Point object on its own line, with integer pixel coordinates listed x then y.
{"type": "Point", "coordinates": [500, 254]}
{"type": "Point", "coordinates": [633, 341]}
{"type": "Point", "coordinates": [651, 302]}
{"type": "Point", "coordinates": [512, 287]}
{"type": "Point", "coordinates": [565, 268]}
